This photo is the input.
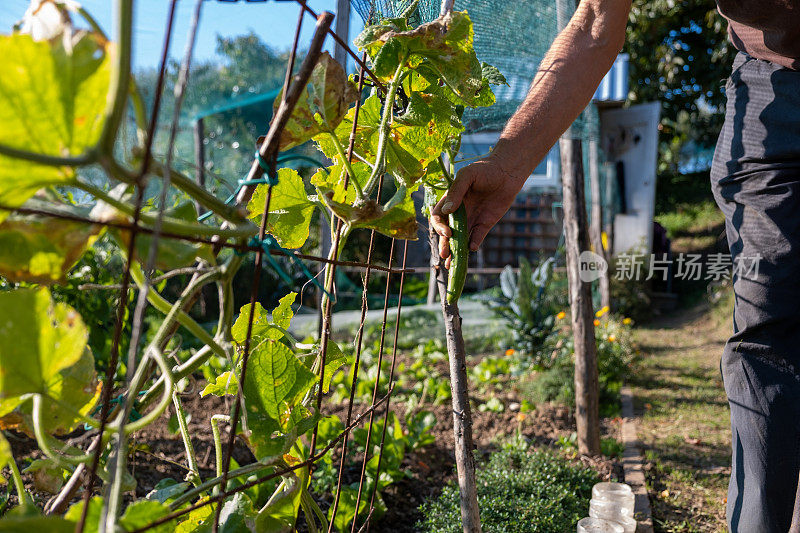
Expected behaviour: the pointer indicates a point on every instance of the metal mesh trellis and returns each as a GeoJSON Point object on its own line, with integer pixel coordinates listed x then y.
{"type": "Point", "coordinates": [140, 370]}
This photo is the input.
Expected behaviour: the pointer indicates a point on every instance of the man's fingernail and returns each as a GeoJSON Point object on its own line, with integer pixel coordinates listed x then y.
{"type": "Point", "coordinates": [447, 207]}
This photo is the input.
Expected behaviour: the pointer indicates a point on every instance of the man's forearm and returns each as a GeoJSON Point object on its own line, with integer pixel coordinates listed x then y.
{"type": "Point", "coordinates": [567, 78]}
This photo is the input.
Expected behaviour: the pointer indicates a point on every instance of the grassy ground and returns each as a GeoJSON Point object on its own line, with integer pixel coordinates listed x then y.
{"type": "Point", "coordinates": [685, 425]}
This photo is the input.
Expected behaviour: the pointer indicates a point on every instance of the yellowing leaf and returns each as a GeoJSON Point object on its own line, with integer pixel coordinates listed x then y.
{"type": "Point", "coordinates": [43, 351]}
{"type": "Point", "coordinates": [52, 101]}
{"type": "Point", "coordinates": [290, 209]}
{"type": "Point", "coordinates": [321, 106]}
{"type": "Point", "coordinates": [42, 249]}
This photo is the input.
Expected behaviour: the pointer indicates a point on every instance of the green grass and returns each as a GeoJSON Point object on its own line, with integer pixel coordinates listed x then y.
{"type": "Point", "coordinates": [685, 418]}
{"type": "Point", "coordinates": [519, 490]}
{"type": "Point", "coordinates": [693, 218]}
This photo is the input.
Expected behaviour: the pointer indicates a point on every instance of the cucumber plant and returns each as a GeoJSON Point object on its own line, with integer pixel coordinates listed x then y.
{"type": "Point", "coordinates": [63, 103]}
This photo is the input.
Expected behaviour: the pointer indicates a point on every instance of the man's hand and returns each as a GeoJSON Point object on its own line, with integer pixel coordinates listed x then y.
{"type": "Point", "coordinates": [487, 191]}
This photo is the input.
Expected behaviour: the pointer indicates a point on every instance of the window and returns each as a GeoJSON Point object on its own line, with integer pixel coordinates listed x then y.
{"type": "Point", "coordinates": [477, 145]}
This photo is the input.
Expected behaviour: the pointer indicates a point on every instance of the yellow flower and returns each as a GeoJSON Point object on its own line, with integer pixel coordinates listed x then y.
{"type": "Point", "coordinates": [612, 338]}
{"type": "Point", "coordinates": [510, 351]}
{"type": "Point", "coordinates": [603, 310]}
{"type": "Point", "coordinates": [626, 321]}
{"type": "Point", "coordinates": [561, 315]}
{"type": "Point", "coordinates": [596, 322]}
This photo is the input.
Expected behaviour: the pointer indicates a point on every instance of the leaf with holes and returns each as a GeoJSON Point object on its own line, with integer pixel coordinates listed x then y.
{"type": "Point", "coordinates": [442, 47]}
{"type": "Point", "coordinates": [52, 101]}
{"type": "Point", "coordinates": [290, 209]}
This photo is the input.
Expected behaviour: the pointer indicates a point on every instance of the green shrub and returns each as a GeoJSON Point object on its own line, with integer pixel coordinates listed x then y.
{"type": "Point", "coordinates": [615, 354]}
{"type": "Point", "coordinates": [519, 490]}
{"type": "Point", "coordinates": [528, 304]}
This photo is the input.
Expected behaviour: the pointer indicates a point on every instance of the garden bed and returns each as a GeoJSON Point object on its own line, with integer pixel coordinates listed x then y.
{"type": "Point", "coordinates": [159, 452]}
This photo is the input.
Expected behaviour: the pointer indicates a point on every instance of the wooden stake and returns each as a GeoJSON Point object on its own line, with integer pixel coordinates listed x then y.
{"type": "Point", "coordinates": [596, 226]}
{"type": "Point", "coordinates": [462, 416]}
{"type": "Point", "coordinates": [576, 237]}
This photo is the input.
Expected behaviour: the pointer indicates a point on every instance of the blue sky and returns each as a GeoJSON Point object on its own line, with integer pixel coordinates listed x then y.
{"type": "Point", "coordinates": [273, 21]}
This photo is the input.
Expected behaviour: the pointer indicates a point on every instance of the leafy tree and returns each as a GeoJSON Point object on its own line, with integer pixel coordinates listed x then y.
{"type": "Point", "coordinates": [680, 55]}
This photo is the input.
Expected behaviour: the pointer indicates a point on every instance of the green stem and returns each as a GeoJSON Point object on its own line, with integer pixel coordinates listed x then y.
{"type": "Point", "coordinates": [120, 76]}
{"type": "Point", "coordinates": [61, 458]}
{"type": "Point", "coordinates": [228, 212]}
{"type": "Point", "coordinates": [175, 313]}
{"type": "Point", "coordinates": [112, 508]}
{"type": "Point", "coordinates": [86, 158]}
{"type": "Point", "coordinates": [384, 127]}
{"type": "Point", "coordinates": [215, 431]}
{"type": "Point", "coordinates": [22, 495]}
{"type": "Point", "coordinates": [346, 161]}
{"type": "Point", "coordinates": [329, 267]}
{"type": "Point", "coordinates": [194, 471]}
{"type": "Point", "coordinates": [171, 225]}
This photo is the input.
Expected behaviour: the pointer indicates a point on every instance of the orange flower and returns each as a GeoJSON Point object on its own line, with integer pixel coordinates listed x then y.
{"type": "Point", "coordinates": [561, 315]}
{"type": "Point", "coordinates": [612, 338]}
{"type": "Point", "coordinates": [521, 417]}
{"type": "Point", "coordinates": [596, 322]}
{"type": "Point", "coordinates": [510, 351]}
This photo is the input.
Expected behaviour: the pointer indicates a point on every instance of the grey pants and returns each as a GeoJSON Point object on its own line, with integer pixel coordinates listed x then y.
{"type": "Point", "coordinates": [756, 182]}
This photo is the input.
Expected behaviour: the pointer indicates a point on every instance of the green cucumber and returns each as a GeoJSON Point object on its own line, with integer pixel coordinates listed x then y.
{"type": "Point", "coordinates": [460, 254]}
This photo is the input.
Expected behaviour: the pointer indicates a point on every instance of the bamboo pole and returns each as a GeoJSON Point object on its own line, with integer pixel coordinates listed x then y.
{"type": "Point", "coordinates": [576, 236]}
{"type": "Point", "coordinates": [459, 386]}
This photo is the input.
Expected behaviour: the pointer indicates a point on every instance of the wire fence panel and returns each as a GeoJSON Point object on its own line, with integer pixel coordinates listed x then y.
{"type": "Point", "coordinates": [292, 380]}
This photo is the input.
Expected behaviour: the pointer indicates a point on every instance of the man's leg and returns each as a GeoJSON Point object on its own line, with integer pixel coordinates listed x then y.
{"type": "Point", "coordinates": [756, 179]}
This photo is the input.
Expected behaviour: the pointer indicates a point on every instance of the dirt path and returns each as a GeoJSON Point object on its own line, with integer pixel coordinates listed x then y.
{"type": "Point", "coordinates": [684, 426]}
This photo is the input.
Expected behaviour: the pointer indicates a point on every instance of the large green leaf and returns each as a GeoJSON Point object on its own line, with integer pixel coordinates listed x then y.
{"type": "Point", "coordinates": [416, 138]}
{"type": "Point", "coordinates": [275, 381]}
{"type": "Point", "coordinates": [42, 249]}
{"type": "Point", "coordinates": [52, 100]}
{"type": "Point", "coordinates": [443, 46]}
{"type": "Point", "coordinates": [321, 106]}
{"type": "Point", "coordinates": [290, 209]}
{"type": "Point", "coordinates": [43, 351]}
{"type": "Point", "coordinates": [275, 378]}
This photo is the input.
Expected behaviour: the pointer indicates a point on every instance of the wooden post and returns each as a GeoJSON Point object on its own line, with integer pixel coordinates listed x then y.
{"type": "Point", "coordinates": [342, 30]}
{"type": "Point", "coordinates": [462, 416]}
{"type": "Point", "coordinates": [596, 226]}
{"type": "Point", "coordinates": [576, 237]}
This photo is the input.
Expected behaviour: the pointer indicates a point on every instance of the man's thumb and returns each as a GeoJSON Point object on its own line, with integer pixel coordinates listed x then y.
{"type": "Point", "coordinates": [455, 194]}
